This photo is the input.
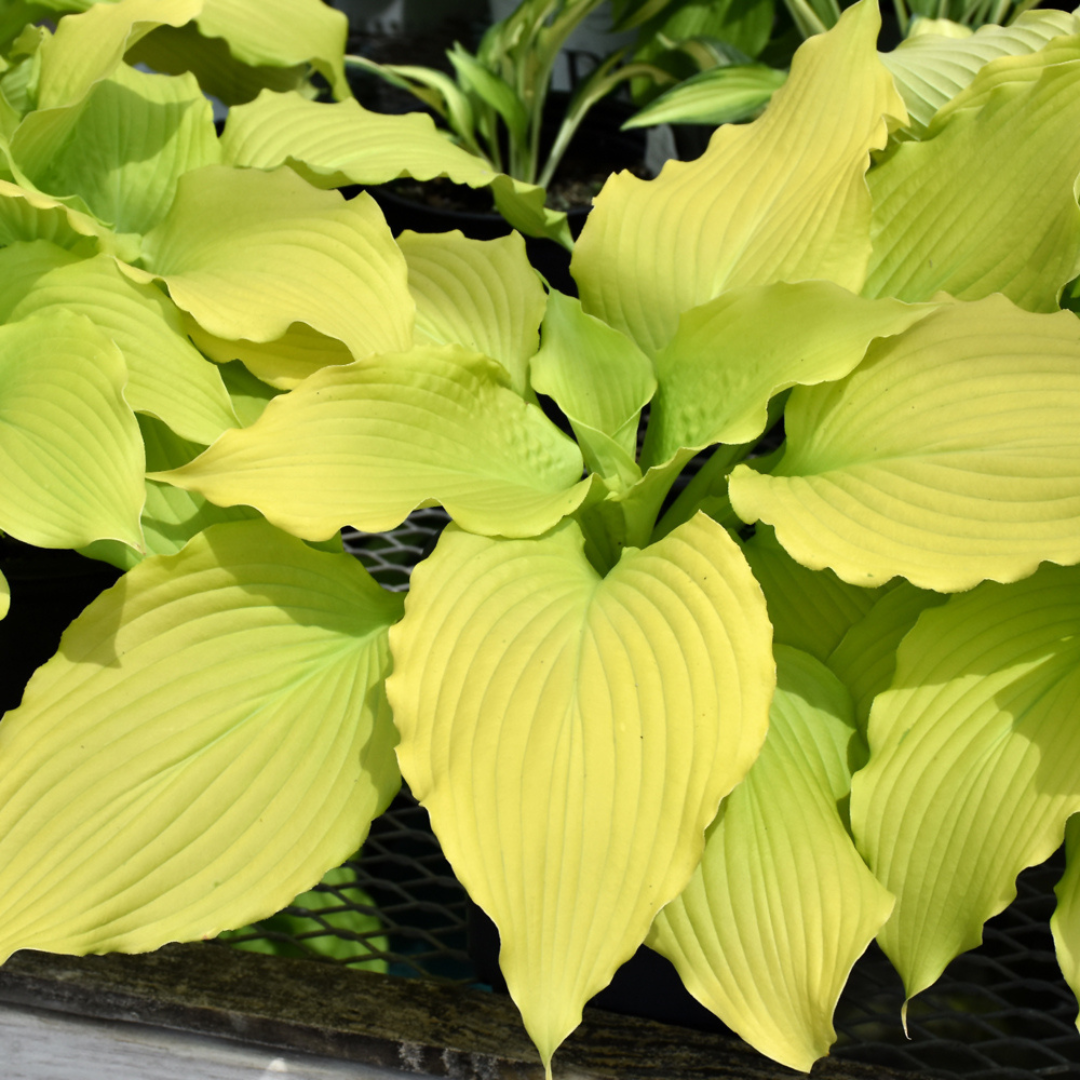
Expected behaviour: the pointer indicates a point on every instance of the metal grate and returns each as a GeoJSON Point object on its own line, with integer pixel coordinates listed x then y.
{"type": "Point", "coordinates": [1000, 1012]}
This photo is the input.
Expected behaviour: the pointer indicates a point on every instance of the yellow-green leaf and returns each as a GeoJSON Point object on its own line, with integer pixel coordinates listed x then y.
{"type": "Point", "coordinates": [5, 596]}
{"type": "Point", "coordinates": [782, 199]}
{"type": "Point", "coordinates": [781, 906]}
{"type": "Point", "coordinates": [343, 143]}
{"type": "Point", "coordinates": [365, 444]}
{"type": "Point", "coordinates": [167, 377]}
{"type": "Point", "coordinates": [1024, 136]}
{"type": "Point", "coordinates": [571, 737]}
{"type": "Point", "coordinates": [30, 215]}
{"type": "Point", "coordinates": [482, 294]}
{"type": "Point", "coordinates": [211, 738]}
{"type": "Point", "coordinates": [249, 253]}
{"type": "Point", "coordinates": [950, 455]}
{"type": "Point", "coordinates": [974, 759]}
{"type": "Point", "coordinates": [730, 356]}
{"type": "Point", "coordinates": [70, 451]}
{"type": "Point", "coordinates": [1065, 922]}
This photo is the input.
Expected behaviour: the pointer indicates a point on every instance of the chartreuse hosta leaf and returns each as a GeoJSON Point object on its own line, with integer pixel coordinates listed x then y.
{"type": "Point", "coordinates": [1024, 136]}
{"type": "Point", "coordinates": [783, 198]}
{"type": "Point", "coordinates": [89, 46]}
{"type": "Point", "coordinates": [70, 451]}
{"type": "Point", "coordinates": [365, 444]}
{"type": "Point", "coordinates": [1065, 922]}
{"type": "Point", "coordinates": [167, 377]}
{"type": "Point", "coordinates": [809, 609]}
{"type": "Point", "coordinates": [730, 356]}
{"type": "Point", "coordinates": [482, 294]}
{"type": "Point", "coordinates": [30, 215]}
{"type": "Point", "coordinates": [572, 735]}
{"type": "Point", "coordinates": [929, 69]}
{"type": "Point", "coordinates": [135, 136]}
{"type": "Point", "coordinates": [600, 379]}
{"type": "Point", "coordinates": [974, 759]}
{"type": "Point", "coordinates": [343, 143]}
{"type": "Point", "coordinates": [950, 455]}
{"type": "Point", "coordinates": [249, 253]}
{"type": "Point", "coordinates": [865, 658]}
{"type": "Point", "coordinates": [170, 516]}
{"type": "Point", "coordinates": [781, 906]}
{"type": "Point", "coordinates": [210, 740]}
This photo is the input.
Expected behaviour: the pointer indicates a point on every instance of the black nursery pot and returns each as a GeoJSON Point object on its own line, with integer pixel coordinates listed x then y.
{"type": "Point", "coordinates": [646, 986]}
{"type": "Point", "coordinates": [48, 590]}
{"type": "Point", "coordinates": [597, 149]}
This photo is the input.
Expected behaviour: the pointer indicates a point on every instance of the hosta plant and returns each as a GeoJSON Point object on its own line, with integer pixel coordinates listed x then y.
{"type": "Point", "coordinates": [827, 694]}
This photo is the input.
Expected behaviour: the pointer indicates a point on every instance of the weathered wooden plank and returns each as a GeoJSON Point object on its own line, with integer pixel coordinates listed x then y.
{"type": "Point", "coordinates": [416, 1026]}
{"type": "Point", "coordinates": [40, 1045]}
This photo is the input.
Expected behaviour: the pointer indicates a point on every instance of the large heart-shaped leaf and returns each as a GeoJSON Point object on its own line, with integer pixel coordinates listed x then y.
{"type": "Point", "coordinates": [343, 143]}
{"type": "Point", "coordinates": [365, 444]}
{"type": "Point", "coordinates": [781, 906]}
{"type": "Point", "coordinates": [950, 455]}
{"type": "Point", "coordinates": [70, 450]}
{"type": "Point", "coordinates": [1018, 130]}
{"type": "Point", "coordinates": [168, 378]}
{"type": "Point", "coordinates": [249, 253]}
{"type": "Point", "coordinates": [482, 294]}
{"type": "Point", "coordinates": [211, 738]}
{"type": "Point", "coordinates": [974, 759]}
{"type": "Point", "coordinates": [571, 737]}
{"type": "Point", "coordinates": [782, 199]}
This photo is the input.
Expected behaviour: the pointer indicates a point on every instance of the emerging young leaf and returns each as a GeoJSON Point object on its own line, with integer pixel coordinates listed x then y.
{"type": "Point", "coordinates": [732, 355]}
{"type": "Point", "coordinates": [715, 96]}
{"type": "Point", "coordinates": [950, 455]}
{"type": "Point", "coordinates": [211, 738]}
{"type": "Point", "coordinates": [782, 199]}
{"type": "Point", "coordinates": [1023, 134]}
{"type": "Point", "coordinates": [974, 759]}
{"type": "Point", "coordinates": [249, 253]}
{"type": "Point", "coordinates": [571, 737]}
{"type": "Point", "coordinates": [365, 444]}
{"type": "Point", "coordinates": [168, 378]}
{"type": "Point", "coordinates": [600, 379]}
{"type": "Point", "coordinates": [781, 906]}
{"type": "Point", "coordinates": [70, 451]}
{"type": "Point", "coordinates": [481, 294]}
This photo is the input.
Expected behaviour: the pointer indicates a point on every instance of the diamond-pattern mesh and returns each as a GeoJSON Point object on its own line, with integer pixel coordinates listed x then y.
{"type": "Point", "coordinates": [1000, 1012]}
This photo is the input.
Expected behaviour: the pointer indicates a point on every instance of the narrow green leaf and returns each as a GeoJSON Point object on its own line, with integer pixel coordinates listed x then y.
{"type": "Point", "coordinates": [493, 90]}
{"type": "Point", "coordinates": [1024, 137]}
{"type": "Point", "coordinates": [249, 253]}
{"type": "Point", "coordinates": [211, 738]}
{"type": "Point", "coordinates": [810, 610]}
{"type": "Point", "coordinates": [136, 135]}
{"type": "Point", "coordinates": [571, 737]}
{"type": "Point", "coordinates": [950, 455]}
{"type": "Point", "coordinates": [930, 68]}
{"type": "Point", "coordinates": [482, 294]}
{"type": "Point", "coordinates": [167, 377]}
{"type": "Point", "coordinates": [70, 451]}
{"type": "Point", "coordinates": [974, 759]}
{"type": "Point", "coordinates": [782, 199]}
{"type": "Point", "coordinates": [781, 906]}
{"type": "Point", "coordinates": [336, 144]}
{"type": "Point", "coordinates": [865, 658]}
{"type": "Point", "coordinates": [731, 356]}
{"type": "Point", "coordinates": [717, 96]}
{"type": "Point", "coordinates": [365, 444]}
